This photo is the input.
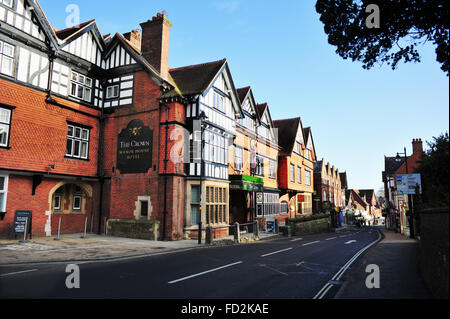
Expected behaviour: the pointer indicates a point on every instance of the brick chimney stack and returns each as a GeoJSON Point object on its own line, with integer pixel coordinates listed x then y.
{"type": "Point", "coordinates": [134, 37]}
{"type": "Point", "coordinates": [155, 43]}
{"type": "Point", "coordinates": [417, 145]}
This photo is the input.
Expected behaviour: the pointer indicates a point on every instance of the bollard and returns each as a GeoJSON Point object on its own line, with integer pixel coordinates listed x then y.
{"type": "Point", "coordinates": [59, 229]}
{"type": "Point", "coordinates": [92, 223]}
{"type": "Point", "coordinates": [106, 228]}
{"type": "Point", "coordinates": [85, 225]}
{"type": "Point", "coordinates": [209, 235]}
{"type": "Point", "coordinates": [256, 230]}
{"type": "Point", "coordinates": [237, 233]}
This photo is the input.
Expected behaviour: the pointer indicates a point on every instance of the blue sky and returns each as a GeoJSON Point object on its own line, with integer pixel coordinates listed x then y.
{"type": "Point", "coordinates": [280, 49]}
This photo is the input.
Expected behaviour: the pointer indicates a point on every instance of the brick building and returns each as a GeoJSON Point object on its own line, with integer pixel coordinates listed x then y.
{"type": "Point", "coordinates": [96, 129]}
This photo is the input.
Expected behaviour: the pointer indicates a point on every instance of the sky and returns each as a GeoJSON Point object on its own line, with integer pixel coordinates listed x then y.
{"type": "Point", "coordinates": [280, 49]}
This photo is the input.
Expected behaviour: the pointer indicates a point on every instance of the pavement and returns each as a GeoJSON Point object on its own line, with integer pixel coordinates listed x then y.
{"type": "Point", "coordinates": [72, 247]}
{"type": "Point", "coordinates": [396, 257]}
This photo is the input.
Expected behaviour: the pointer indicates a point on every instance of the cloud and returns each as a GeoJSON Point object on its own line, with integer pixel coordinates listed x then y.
{"type": "Point", "coordinates": [227, 6]}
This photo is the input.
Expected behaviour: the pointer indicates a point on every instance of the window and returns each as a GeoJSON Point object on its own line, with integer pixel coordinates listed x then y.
{"type": "Point", "coordinates": [307, 154]}
{"type": "Point", "coordinates": [272, 169]}
{"type": "Point", "coordinates": [77, 142]}
{"type": "Point", "coordinates": [6, 58]}
{"type": "Point", "coordinates": [216, 206]}
{"type": "Point", "coordinates": [307, 178]}
{"type": "Point", "coordinates": [112, 91]}
{"type": "Point", "coordinates": [5, 122]}
{"type": "Point", "coordinates": [76, 202]}
{"type": "Point", "coordinates": [238, 158]}
{"type": "Point", "coordinates": [259, 170]}
{"type": "Point", "coordinates": [3, 192]}
{"type": "Point", "coordinates": [81, 87]}
{"type": "Point", "coordinates": [219, 102]}
{"type": "Point", "coordinates": [8, 3]}
{"type": "Point", "coordinates": [144, 208]}
{"type": "Point", "coordinates": [297, 147]}
{"type": "Point", "coordinates": [293, 173]}
{"type": "Point", "coordinates": [299, 172]}
{"type": "Point", "coordinates": [216, 148]}
{"type": "Point", "coordinates": [57, 202]}
{"type": "Point", "coordinates": [284, 208]}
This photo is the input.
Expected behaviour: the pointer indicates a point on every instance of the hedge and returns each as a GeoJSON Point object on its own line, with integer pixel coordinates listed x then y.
{"type": "Point", "coordinates": [306, 218]}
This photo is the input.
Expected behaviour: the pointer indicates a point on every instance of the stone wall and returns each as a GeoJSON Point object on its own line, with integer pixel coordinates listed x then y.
{"type": "Point", "coordinates": [141, 229]}
{"type": "Point", "coordinates": [306, 228]}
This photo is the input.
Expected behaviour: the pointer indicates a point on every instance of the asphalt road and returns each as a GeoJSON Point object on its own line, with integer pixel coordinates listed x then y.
{"type": "Point", "coordinates": [286, 268]}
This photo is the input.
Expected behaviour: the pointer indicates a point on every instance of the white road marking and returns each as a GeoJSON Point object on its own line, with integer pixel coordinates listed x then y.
{"type": "Point", "coordinates": [331, 238]}
{"type": "Point", "coordinates": [297, 239]}
{"type": "Point", "coordinates": [204, 272]}
{"type": "Point", "coordinates": [322, 292]}
{"type": "Point", "coordinates": [314, 242]}
{"type": "Point", "coordinates": [276, 252]}
{"type": "Point", "coordinates": [18, 272]}
{"type": "Point", "coordinates": [350, 241]}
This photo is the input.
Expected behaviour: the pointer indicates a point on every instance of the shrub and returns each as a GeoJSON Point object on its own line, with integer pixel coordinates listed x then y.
{"type": "Point", "coordinates": [290, 221]}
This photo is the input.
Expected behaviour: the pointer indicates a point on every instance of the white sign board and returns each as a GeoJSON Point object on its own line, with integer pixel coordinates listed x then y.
{"type": "Point", "coordinates": [406, 183]}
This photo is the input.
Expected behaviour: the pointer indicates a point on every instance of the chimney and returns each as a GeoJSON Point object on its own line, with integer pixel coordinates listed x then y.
{"type": "Point", "coordinates": [417, 145]}
{"type": "Point", "coordinates": [155, 43]}
{"type": "Point", "coordinates": [134, 37]}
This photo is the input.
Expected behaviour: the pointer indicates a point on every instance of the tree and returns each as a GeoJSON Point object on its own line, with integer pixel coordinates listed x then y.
{"type": "Point", "coordinates": [434, 172]}
{"type": "Point", "coordinates": [403, 25]}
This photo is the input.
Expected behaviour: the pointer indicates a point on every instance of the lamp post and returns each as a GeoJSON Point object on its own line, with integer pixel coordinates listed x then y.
{"type": "Point", "coordinates": [201, 117]}
{"type": "Point", "coordinates": [410, 208]}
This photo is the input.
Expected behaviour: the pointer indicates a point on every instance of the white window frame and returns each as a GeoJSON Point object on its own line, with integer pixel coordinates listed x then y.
{"type": "Point", "coordinates": [10, 56]}
{"type": "Point", "coordinates": [238, 158]}
{"type": "Point", "coordinates": [73, 204]}
{"type": "Point", "coordinates": [57, 207]}
{"type": "Point", "coordinates": [80, 83]}
{"type": "Point", "coordinates": [5, 2]}
{"type": "Point", "coordinates": [307, 177]}
{"type": "Point", "coordinates": [80, 140]}
{"type": "Point", "coordinates": [111, 91]}
{"type": "Point", "coordinates": [299, 173]}
{"type": "Point", "coordinates": [272, 169]}
{"type": "Point", "coordinates": [4, 192]}
{"type": "Point", "coordinates": [6, 124]}
{"type": "Point", "coordinates": [219, 101]}
{"type": "Point", "coordinates": [292, 170]}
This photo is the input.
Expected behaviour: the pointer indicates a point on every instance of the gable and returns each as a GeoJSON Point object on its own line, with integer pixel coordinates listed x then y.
{"type": "Point", "coordinates": [117, 56]}
{"type": "Point", "coordinates": [86, 46]}
{"type": "Point", "coordinates": [23, 16]}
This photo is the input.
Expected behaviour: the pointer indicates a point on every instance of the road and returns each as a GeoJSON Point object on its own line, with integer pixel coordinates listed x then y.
{"type": "Point", "coordinates": [288, 268]}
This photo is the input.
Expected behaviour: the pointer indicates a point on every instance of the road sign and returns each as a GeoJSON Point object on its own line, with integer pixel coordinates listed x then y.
{"type": "Point", "coordinates": [407, 184]}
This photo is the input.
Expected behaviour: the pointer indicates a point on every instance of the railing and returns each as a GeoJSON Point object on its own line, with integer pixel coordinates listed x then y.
{"type": "Point", "coordinates": [236, 232]}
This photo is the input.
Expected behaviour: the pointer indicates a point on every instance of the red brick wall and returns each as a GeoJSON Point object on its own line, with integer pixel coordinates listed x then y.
{"type": "Point", "coordinates": [20, 198]}
{"type": "Point", "coordinates": [39, 133]}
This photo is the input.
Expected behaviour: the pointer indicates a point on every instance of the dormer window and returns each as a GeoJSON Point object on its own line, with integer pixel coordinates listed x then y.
{"type": "Point", "coordinates": [219, 101]}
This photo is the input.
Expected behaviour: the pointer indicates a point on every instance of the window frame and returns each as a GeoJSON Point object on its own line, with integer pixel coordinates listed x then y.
{"type": "Point", "coordinates": [238, 159]}
{"type": "Point", "coordinates": [4, 192]}
{"type": "Point", "coordinates": [112, 87]}
{"type": "Point", "coordinates": [81, 141]}
{"type": "Point", "coordinates": [292, 170]}
{"type": "Point", "coordinates": [81, 202]}
{"type": "Point", "coordinates": [307, 177]}
{"type": "Point", "coordinates": [11, 5]}
{"type": "Point", "coordinates": [77, 83]}
{"type": "Point", "coordinates": [8, 125]}
{"type": "Point", "coordinates": [11, 57]}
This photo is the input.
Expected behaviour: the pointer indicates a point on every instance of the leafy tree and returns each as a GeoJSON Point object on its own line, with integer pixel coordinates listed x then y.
{"type": "Point", "coordinates": [434, 172]}
{"type": "Point", "coordinates": [403, 25]}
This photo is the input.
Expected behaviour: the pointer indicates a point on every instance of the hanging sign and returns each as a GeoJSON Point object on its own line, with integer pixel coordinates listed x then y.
{"type": "Point", "coordinates": [134, 148]}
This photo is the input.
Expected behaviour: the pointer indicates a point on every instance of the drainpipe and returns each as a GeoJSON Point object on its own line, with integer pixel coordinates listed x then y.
{"type": "Point", "coordinates": [100, 161]}
{"type": "Point", "coordinates": [165, 174]}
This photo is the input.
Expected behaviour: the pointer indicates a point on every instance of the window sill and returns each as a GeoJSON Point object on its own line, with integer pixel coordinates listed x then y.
{"type": "Point", "coordinates": [77, 159]}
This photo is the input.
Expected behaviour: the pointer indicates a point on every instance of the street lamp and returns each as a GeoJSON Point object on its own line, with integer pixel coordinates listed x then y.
{"type": "Point", "coordinates": [201, 117]}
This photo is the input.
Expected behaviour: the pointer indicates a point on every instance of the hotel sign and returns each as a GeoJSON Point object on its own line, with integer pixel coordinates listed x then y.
{"type": "Point", "coordinates": [134, 148]}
